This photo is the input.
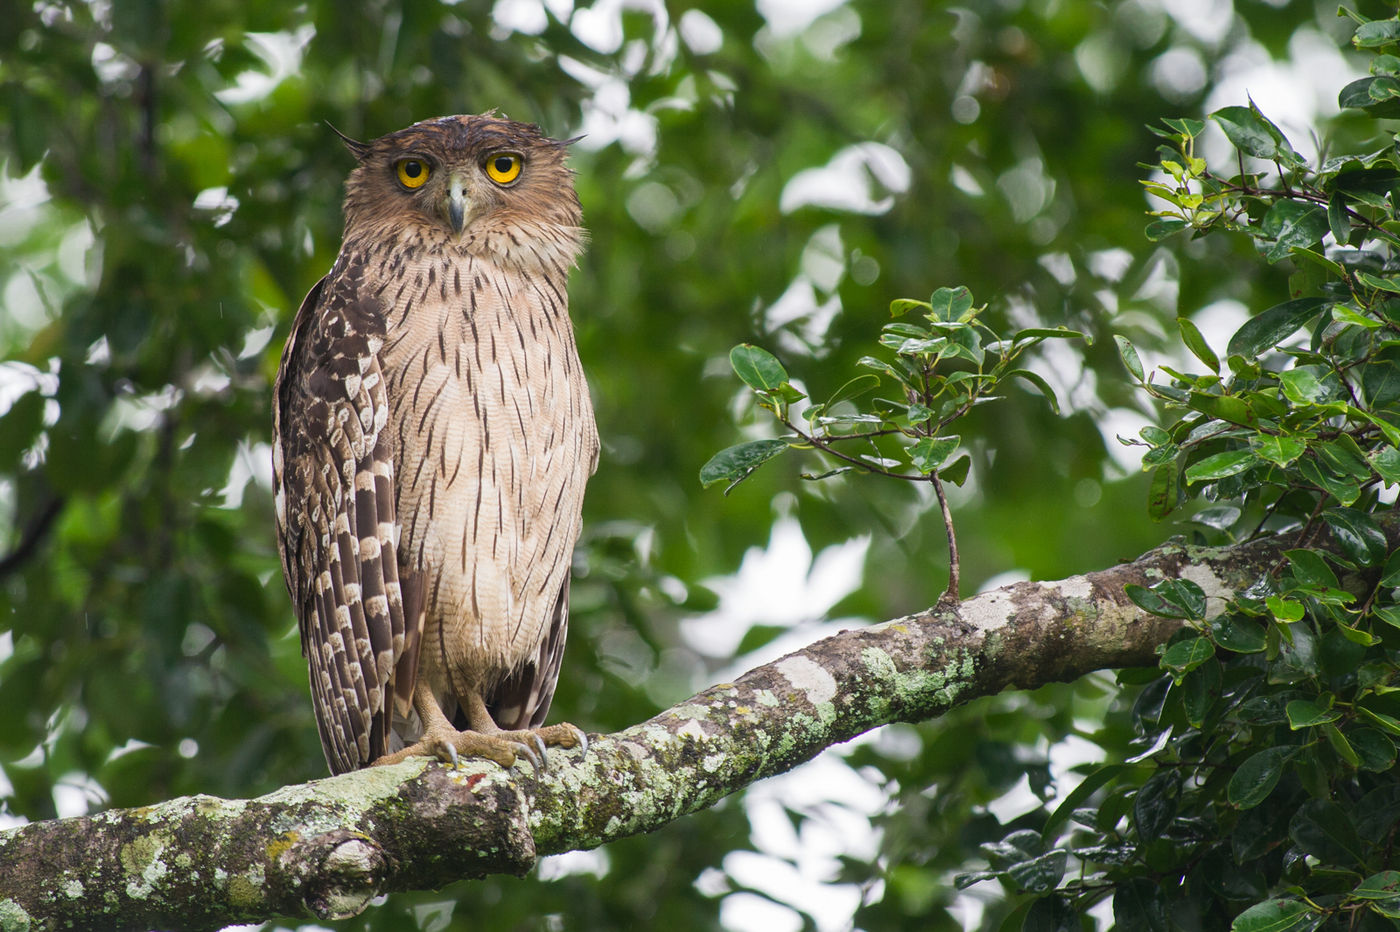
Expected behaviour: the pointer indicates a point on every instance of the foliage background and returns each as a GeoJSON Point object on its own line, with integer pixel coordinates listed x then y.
{"type": "Point", "coordinates": [773, 173]}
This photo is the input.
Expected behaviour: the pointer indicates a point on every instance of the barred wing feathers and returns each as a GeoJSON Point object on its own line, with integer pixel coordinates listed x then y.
{"type": "Point", "coordinates": [333, 462]}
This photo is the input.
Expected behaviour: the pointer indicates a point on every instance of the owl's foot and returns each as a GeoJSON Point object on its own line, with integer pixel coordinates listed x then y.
{"type": "Point", "coordinates": [504, 747]}
{"type": "Point", "coordinates": [530, 743]}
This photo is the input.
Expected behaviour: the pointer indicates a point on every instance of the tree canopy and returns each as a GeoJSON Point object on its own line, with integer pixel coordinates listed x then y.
{"type": "Point", "coordinates": [767, 174]}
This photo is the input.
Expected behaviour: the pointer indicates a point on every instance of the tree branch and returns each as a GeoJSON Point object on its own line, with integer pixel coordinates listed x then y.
{"type": "Point", "coordinates": [323, 849]}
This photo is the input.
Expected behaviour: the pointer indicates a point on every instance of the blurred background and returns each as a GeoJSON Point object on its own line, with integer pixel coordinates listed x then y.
{"type": "Point", "coordinates": [774, 172]}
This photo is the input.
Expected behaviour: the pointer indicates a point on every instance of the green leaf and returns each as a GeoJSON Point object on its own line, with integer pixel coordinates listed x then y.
{"type": "Point", "coordinates": [901, 306]}
{"type": "Point", "coordinates": [1266, 330]}
{"type": "Point", "coordinates": [1341, 488]}
{"type": "Point", "coordinates": [1390, 576]}
{"type": "Point", "coordinates": [1311, 569]}
{"type": "Point", "coordinates": [1282, 915]}
{"type": "Point", "coordinates": [1039, 383]}
{"type": "Point", "coordinates": [1304, 713]}
{"type": "Point", "coordinates": [1377, 752]}
{"type": "Point", "coordinates": [1340, 744]}
{"type": "Point", "coordinates": [1359, 536]}
{"type": "Point", "coordinates": [1238, 633]}
{"type": "Point", "coordinates": [1191, 336]}
{"type": "Point", "coordinates": [1337, 219]}
{"type": "Point", "coordinates": [1376, 34]}
{"type": "Point", "coordinates": [1185, 126]}
{"type": "Point", "coordinates": [1077, 797]}
{"type": "Point", "coordinates": [1220, 465]}
{"type": "Point", "coordinates": [1129, 356]}
{"type": "Point", "coordinates": [1278, 450]}
{"type": "Point", "coordinates": [759, 368]}
{"type": "Point", "coordinates": [1292, 224]}
{"type": "Point", "coordinates": [1256, 778]}
{"type": "Point", "coordinates": [1323, 829]}
{"type": "Point", "coordinates": [1380, 383]}
{"type": "Point", "coordinates": [1310, 385]}
{"type": "Point", "coordinates": [1381, 720]}
{"type": "Point", "coordinates": [1039, 874]}
{"type": "Point", "coordinates": [1186, 655]}
{"type": "Point", "coordinates": [1047, 914]}
{"type": "Point", "coordinates": [1163, 492]}
{"type": "Point", "coordinates": [949, 304]}
{"type": "Point", "coordinates": [1140, 906]}
{"type": "Point", "coordinates": [1344, 457]}
{"type": "Point", "coordinates": [1169, 598]}
{"type": "Point", "coordinates": [1230, 408]}
{"type": "Point", "coordinates": [1159, 229]}
{"type": "Point", "coordinates": [1385, 461]}
{"type": "Point", "coordinates": [1285, 610]}
{"type": "Point", "coordinates": [1049, 333]}
{"type": "Point", "coordinates": [1380, 886]}
{"type": "Point", "coordinates": [928, 453]}
{"type": "Point", "coordinates": [1357, 95]}
{"type": "Point", "coordinates": [1253, 134]}
{"type": "Point", "coordinates": [738, 461]}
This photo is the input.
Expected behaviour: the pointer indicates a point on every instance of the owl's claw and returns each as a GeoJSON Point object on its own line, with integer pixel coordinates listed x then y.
{"type": "Point", "coordinates": [503, 747]}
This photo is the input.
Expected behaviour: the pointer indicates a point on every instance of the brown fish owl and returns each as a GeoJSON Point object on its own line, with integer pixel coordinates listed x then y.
{"type": "Point", "coordinates": [433, 435]}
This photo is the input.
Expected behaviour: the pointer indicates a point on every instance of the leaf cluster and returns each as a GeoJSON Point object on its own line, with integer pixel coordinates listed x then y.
{"type": "Point", "coordinates": [1264, 795]}
{"type": "Point", "coordinates": [939, 368]}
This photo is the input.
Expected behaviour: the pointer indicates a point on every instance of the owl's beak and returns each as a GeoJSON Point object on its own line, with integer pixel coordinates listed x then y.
{"type": "Point", "coordinates": [457, 203]}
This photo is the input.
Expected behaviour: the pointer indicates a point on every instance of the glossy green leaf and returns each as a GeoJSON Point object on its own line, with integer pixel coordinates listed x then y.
{"type": "Point", "coordinates": [1039, 382]}
{"type": "Point", "coordinates": [1377, 752]}
{"type": "Point", "coordinates": [1359, 536]}
{"type": "Point", "coordinates": [759, 369]}
{"type": "Point", "coordinates": [1268, 329]}
{"type": "Point", "coordinates": [1187, 655]}
{"type": "Point", "coordinates": [1196, 343]}
{"type": "Point", "coordinates": [1163, 491]}
{"type": "Point", "coordinates": [737, 462]}
{"type": "Point", "coordinates": [1337, 220]}
{"type": "Point", "coordinates": [1238, 633]}
{"type": "Point", "coordinates": [1220, 465]}
{"type": "Point", "coordinates": [1279, 915]}
{"type": "Point", "coordinates": [928, 453]}
{"type": "Point", "coordinates": [1278, 450]}
{"type": "Point", "coordinates": [1129, 355]}
{"type": "Point", "coordinates": [1324, 829]}
{"type": "Point", "coordinates": [1306, 713]}
{"type": "Point", "coordinates": [1251, 132]}
{"type": "Point", "coordinates": [949, 304]}
{"type": "Point", "coordinates": [1257, 776]}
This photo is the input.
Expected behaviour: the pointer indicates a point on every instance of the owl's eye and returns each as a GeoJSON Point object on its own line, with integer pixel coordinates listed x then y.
{"type": "Point", "coordinates": [412, 172]}
{"type": "Point", "coordinates": [504, 167]}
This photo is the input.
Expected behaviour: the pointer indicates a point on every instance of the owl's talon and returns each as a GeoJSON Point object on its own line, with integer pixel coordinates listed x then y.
{"type": "Point", "coordinates": [527, 752]}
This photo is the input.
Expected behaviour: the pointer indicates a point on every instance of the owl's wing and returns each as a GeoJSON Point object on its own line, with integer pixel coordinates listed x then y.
{"type": "Point", "coordinates": [522, 700]}
{"type": "Point", "coordinates": [334, 471]}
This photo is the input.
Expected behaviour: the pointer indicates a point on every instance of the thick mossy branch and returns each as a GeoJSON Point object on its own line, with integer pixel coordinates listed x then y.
{"type": "Point", "coordinates": [325, 848]}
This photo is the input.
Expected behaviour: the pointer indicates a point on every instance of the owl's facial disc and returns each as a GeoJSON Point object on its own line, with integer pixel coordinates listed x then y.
{"type": "Point", "coordinates": [457, 203]}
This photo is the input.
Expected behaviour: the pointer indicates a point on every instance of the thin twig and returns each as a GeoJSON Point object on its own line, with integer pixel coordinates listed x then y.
{"type": "Point", "coordinates": [33, 534]}
{"type": "Point", "coordinates": [951, 594]}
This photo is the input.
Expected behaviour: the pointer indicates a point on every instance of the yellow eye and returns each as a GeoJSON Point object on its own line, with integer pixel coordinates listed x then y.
{"type": "Point", "coordinates": [412, 172]}
{"type": "Point", "coordinates": [504, 167]}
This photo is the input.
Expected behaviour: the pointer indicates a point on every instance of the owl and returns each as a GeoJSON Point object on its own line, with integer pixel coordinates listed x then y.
{"type": "Point", "coordinates": [433, 435]}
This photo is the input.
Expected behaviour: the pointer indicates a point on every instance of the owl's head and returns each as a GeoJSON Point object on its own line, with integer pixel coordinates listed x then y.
{"type": "Point", "coordinates": [474, 182]}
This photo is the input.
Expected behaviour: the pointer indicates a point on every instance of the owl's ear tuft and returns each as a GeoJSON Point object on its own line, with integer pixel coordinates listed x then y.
{"type": "Point", "coordinates": [358, 149]}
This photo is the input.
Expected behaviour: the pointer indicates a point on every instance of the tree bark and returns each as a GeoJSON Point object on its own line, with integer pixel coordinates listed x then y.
{"type": "Point", "coordinates": [323, 849]}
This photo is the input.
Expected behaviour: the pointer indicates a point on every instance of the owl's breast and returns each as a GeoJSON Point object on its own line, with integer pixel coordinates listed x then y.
{"type": "Point", "coordinates": [494, 439]}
